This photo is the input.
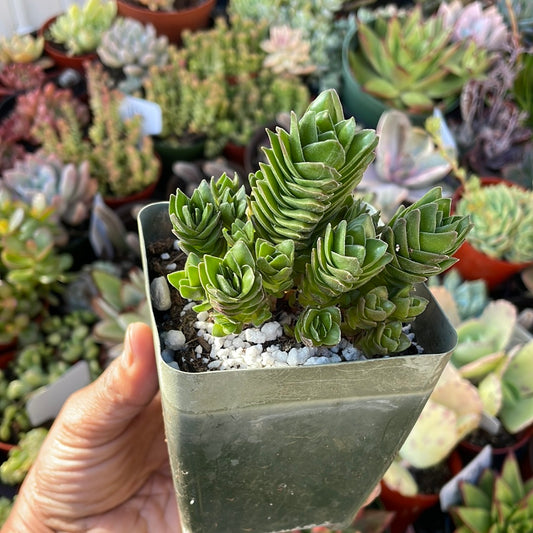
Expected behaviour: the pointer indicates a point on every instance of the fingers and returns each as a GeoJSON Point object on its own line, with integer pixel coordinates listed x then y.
{"type": "Point", "coordinates": [121, 392]}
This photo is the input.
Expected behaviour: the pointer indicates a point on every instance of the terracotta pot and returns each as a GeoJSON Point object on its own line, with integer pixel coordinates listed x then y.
{"type": "Point", "coordinates": [169, 23]}
{"type": "Point", "coordinates": [59, 55]}
{"type": "Point", "coordinates": [118, 201]}
{"type": "Point", "coordinates": [474, 264]}
{"type": "Point", "coordinates": [408, 508]}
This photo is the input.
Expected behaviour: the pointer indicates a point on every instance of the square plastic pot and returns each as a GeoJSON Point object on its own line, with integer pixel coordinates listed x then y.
{"type": "Point", "coordinates": [269, 450]}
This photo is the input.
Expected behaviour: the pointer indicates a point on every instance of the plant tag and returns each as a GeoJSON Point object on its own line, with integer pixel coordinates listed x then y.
{"type": "Point", "coordinates": [46, 403]}
{"type": "Point", "coordinates": [152, 116]}
{"type": "Point", "coordinates": [450, 494]}
{"type": "Point", "coordinates": [489, 423]}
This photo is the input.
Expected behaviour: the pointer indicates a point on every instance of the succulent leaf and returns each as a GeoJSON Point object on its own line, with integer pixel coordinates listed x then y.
{"type": "Point", "coordinates": [319, 327]}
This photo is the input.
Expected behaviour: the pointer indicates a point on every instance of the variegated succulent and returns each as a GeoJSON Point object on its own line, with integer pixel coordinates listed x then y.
{"type": "Point", "coordinates": [410, 62]}
{"type": "Point", "coordinates": [302, 236]}
{"type": "Point", "coordinates": [132, 47]}
{"type": "Point", "coordinates": [21, 76]}
{"type": "Point", "coordinates": [157, 5]}
{"type": "Point", "coordinates": [80, 29]}
{"type": "Point", "coordinates": [45, 180]}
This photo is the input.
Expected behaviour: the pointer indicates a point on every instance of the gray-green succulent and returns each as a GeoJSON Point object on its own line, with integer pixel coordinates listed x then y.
{"type": "Point", "coordinates": [301, 236]}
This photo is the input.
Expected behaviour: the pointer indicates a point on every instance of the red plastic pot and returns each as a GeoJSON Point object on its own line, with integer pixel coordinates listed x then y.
{"type": "Point", "coordinates": [169, 23]}
{"type": "Point", "coordinates": [60, 58]}
{"type": "Point", "coordinates": [474, 264]}
{"type": "Point", "coordinates": [408, 508]}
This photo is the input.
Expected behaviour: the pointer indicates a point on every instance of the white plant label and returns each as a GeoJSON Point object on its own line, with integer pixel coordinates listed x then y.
{"type": "Point", "coordinates": [46, 402]}
{"type": "Point", "coordinates": [152, 116]}
{"type": "Point", "coordinates": [450, 493]}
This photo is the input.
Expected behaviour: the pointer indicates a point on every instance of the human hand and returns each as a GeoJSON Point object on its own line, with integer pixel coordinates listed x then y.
{"type": "Point", "coordinates": [104, 464]}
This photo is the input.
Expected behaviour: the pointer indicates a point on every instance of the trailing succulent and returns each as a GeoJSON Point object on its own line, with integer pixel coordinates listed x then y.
{"type": "Point", "coordinates": [301, 236]}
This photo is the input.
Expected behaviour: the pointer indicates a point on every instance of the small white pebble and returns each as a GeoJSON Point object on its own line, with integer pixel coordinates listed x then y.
{"type": "Point", "coordinates": [171, 267]}
{"type": "Point", "coordinates": [165, 256]}
{"type": "Point", "coordinates": [272, 330]}
{"type": "Point", "coordinates": [254, 336]}
{"type": "Point", "coordinates": [174, 339]}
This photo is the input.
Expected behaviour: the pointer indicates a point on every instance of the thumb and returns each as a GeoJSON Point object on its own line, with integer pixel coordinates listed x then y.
{"type": "Point", "coordinates": [127, 386]}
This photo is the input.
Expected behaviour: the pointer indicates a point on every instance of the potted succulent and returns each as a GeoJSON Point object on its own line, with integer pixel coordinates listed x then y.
{"type": "Point", "coordinates": [191, 106]}
{"type": "Point", "coordinates": [501, 243]}
{"type": "Point", "coordinates": [120, 157]}
{"type": "Point", "coordinates": [169, 17]}
{"type": "Point", "coordinates": [497, 501]}
{"type": "Point", "coordinates": [72, 37]}
{"type": "Point", "coordinates": [128, 49]}
{"type": "Point", "coordinates": [247, 445]}
{"type": "Point", "coordinates": [427, 70]}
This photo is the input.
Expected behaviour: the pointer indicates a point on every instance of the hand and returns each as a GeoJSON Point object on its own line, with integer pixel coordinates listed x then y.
{"type": "Point", "coordinates": [104, 465]}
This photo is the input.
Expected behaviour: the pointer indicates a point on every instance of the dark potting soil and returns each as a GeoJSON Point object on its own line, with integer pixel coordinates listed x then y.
{"type": "Point", "coordinates": [430, 480]}
{"type": "Point", "coordinates": [502, 439]}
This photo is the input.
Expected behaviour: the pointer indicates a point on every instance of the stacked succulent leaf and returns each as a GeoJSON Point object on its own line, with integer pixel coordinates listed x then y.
{"type": "Point", "coordinates": [300, 235]}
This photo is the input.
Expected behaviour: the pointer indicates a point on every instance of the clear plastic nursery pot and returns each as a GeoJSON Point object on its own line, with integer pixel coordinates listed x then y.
{"type": "Point", "coordinates": [270, 450]}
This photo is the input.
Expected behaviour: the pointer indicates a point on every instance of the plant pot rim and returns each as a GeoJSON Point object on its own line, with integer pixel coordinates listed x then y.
{"type": "Point", "coordinates": [143, 9]}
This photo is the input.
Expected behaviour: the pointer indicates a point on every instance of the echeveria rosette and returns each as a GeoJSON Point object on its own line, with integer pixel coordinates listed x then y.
{"type": "Point", "coordinates": [343, 259]}
{"type": "Point", "coordinates": [386, 338]}
{"type": "Point", "coordinates": [275, 263]}
{"type": "Point", "coordinates": [234, 289]}
{"type": "Point", "coordinates": [199, 221]}
{"type": "Point", "coordinates": [422, 239]}
{"type": "Point", "coordinates": [319, 327]}
{"type": "Point", "coordinates": [310, 171]}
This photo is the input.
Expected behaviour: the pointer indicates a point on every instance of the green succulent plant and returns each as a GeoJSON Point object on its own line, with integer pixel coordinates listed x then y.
{"type": "Point", "coordinates": [496, 503]}
{"type": "Point", "coordinates": [21, 457]}
{"type": "Point", "coordinates": [80, 29]}
{"type": "Point", "coordinates": [502, 217]}
{"type": "Point", "coordinates": [118, 301]}
{"type": "Point", "coordinates": [33, 272]}
{"type": "Point", "coordinates": [61, 341]}
{"type": "Point", "coordinates": [120, 156]}
{"type": "Point", "coordinates": [302, 230]}
{"type": "Point", "coordinates": [410, 63]}
{"type": "Point", "coordinates": [157, 5]}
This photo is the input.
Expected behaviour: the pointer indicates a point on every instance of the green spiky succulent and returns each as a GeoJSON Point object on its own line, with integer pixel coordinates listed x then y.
{"type": "Point", "coordinates": [301, 236]}
{"type": "Point", "coordinates": [497, 503]}
{"type": "Point", "coordinates": [410, 62]}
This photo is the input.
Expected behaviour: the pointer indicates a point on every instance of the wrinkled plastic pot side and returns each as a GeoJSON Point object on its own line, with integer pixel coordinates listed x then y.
{"type": "Point", "coordinates": [276, 449]}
